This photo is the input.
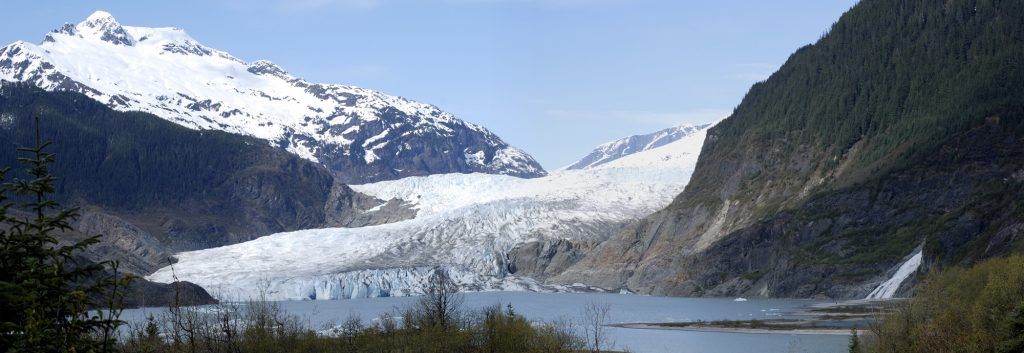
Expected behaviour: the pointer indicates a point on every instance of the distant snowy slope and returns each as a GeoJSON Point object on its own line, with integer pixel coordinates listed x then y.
{"type": "Point", "coordinates": [466, 223]}
{"type": "Point", "coordinates": [362, 135]}
{"type": "Point", "coordinates": [637, 143]}
{"type": "Point", "coordinates": [667, 166]}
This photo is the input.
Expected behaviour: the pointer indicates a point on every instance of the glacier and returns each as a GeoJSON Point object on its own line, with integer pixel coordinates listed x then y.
{"type": "Point", "coordinates": [465, 224]}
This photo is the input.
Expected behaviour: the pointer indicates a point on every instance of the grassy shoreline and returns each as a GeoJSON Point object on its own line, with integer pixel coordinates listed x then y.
{"type": "Point", "coordinates": [841, 318]}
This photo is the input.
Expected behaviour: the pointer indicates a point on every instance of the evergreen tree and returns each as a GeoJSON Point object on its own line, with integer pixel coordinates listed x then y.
{"type": "Point", "coordinates": [1014, 332]}
{"type": "Point", "coordinates": [46, 288]}
{"type": "Point", "coordinates": [854, 342]}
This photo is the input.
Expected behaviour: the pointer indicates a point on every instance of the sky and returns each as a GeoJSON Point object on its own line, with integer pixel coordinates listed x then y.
{"type": "Point", "coordinates": [552, 77]}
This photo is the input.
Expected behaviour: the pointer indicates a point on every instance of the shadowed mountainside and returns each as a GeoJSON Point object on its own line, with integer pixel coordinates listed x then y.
{"type": "Point", "coordinates": [900, 127]}
{"type": "Point", "coordinates": [154, 187]}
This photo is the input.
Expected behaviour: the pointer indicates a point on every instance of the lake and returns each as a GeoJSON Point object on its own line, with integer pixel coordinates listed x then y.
{"type": "Point", "coordinates": [625, 308]}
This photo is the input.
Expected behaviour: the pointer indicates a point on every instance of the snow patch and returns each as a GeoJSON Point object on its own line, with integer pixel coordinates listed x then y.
{"type": "Point", "coordinates": [6, 121]}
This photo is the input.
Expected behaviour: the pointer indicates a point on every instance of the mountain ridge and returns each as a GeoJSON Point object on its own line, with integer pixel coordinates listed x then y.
{"type": "Point", "coordinates": [613, 150]}
{"type": "Point", "coordinates": [360, 134]}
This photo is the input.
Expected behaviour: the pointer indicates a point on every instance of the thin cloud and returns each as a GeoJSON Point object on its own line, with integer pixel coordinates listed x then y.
{"type": "Point", "coordinates": [756, 72]}
{"type": "Point", "coordinates": [299, 6]}
{"type": "Point", "coordinates": [762, 66]}
{"type": "Point", "coordinates": [365, 71]}
{"type": "Point", "coordinates": [757, 77]}
{"type": "Point", "coordinates": [309, 5]}
{"type": "Point", "coordinates": [558, 3]}
{"type": "Point", "coordinates": [664, 119]}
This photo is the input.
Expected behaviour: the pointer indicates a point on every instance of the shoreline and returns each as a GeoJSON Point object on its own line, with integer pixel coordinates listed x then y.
{"type": "Point", "coordinates": [803, 322]}
{"type": "Point", "coordinates": [759, 331]}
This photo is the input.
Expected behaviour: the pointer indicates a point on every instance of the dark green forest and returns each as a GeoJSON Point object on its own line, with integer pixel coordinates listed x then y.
{"type": "Point", "coordinates": [152, 171]}
{"type": "Point", "coordinates": [887, 84]}
{"type": "Point", "coordinates": [904, 74]}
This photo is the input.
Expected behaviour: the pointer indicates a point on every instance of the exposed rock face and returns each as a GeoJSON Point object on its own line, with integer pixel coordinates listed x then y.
{"type": "Point", "coordinates": [616, 263]}
{"type": "Point", "coordinates": [137, 251]}
{"type": "Point", "coordinates": [349, 208]}
{"type": "Point", "coordinates": [143, 293]}
{"type": "Point", "coordinates": [543, 259]}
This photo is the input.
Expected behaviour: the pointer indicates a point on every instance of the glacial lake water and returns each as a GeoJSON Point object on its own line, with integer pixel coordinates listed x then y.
{"type": "Point", "coordinates": [624, 308]}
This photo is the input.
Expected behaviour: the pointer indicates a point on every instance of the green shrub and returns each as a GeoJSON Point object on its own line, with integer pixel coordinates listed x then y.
{"type": "Point", "coordinates": [977, 309]}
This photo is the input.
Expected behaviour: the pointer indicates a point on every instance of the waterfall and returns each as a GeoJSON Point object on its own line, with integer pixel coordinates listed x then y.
{"type": "Point", "coordinates": [888, 288]}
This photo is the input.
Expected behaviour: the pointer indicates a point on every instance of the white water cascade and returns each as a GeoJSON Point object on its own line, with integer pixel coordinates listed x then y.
{"type": "Point", "coordinates": [888, 288]}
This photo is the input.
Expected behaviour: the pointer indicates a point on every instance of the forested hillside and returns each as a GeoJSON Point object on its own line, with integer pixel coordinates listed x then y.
{"type": "Point", "coordinates": [901, 127]}
{"type": "Point", "coordinates": [154, 187]}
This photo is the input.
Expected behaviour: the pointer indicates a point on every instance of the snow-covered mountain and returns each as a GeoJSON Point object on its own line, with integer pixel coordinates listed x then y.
{"type": "Point", "coordinates": [466, 223]}
{"type": "Point", "coordinates": [362, 135]}
{"type": "Point", "coordinates": [637, 143]}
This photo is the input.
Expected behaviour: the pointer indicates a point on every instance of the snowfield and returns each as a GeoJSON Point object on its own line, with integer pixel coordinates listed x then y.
{"type": "Point", "coordinates": [466, 223]}
{"type": "Point", "coordinates": [637, 143]}
{"type": "Point", "coordinates": [165, 72]}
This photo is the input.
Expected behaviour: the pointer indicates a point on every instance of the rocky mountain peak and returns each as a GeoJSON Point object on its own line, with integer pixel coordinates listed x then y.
{"type": "Point", "coordinates": [265, 67]}
{"type": "Point", "coordinates": [100, 16]}
{"type": "Point", "coordinates": [103, 26]}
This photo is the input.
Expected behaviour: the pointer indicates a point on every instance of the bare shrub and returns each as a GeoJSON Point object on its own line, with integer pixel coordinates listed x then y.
{"type": "Point", "coordinates": [595, 319]}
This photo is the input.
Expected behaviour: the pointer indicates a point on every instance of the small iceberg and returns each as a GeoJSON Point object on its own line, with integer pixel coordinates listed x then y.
{"type": "Point", "coordinates": [740, 299]}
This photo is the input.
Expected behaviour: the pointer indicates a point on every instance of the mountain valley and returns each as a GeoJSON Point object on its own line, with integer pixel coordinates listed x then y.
{"type": "Point", "coordinates": [234, 174]}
